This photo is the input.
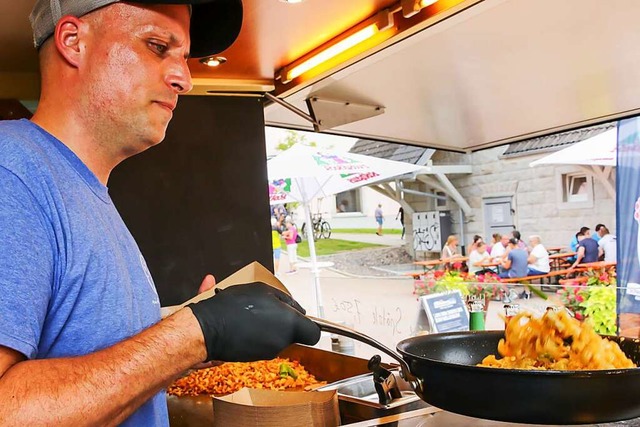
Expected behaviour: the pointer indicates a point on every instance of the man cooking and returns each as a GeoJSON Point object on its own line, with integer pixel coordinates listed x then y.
{"type": "Point", "coordinates": [81, 340]}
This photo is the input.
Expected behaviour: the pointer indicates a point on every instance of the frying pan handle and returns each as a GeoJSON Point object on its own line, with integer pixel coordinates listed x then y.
{"type": "Point", "coordinates": [337, 329]}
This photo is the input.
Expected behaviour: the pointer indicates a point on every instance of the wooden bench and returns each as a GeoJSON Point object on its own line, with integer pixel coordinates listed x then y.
{"type": "Point", "coordinates": [526, 281]}
{"type": "Point", "coordinates": [549, 275]}
{"type": "Point", "coordinates": [541, 277]}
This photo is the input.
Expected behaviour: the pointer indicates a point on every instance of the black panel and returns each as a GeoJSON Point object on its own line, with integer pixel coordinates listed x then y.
{"type": "Point", "coordinates": [198, 203]}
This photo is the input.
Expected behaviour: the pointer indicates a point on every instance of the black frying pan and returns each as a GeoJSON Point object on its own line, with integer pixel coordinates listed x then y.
{"type": "Point", "coordinates": [441, 369]}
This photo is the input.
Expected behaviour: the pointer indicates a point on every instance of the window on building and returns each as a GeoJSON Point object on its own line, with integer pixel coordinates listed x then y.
{"type": "Point", "coordinates": [441, 203]}
{"type": "Point", "coordinates": [348, 201]}
{"type": "Point", "coordinates": [575, 189]}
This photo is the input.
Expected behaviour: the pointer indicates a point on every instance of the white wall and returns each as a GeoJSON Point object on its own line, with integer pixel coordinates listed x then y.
{"type": "Point", "coordinates": [369, 200]}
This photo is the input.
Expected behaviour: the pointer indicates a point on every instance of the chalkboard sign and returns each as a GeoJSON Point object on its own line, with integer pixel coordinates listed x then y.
{"type": "Point", "coordinates": [447, 312]}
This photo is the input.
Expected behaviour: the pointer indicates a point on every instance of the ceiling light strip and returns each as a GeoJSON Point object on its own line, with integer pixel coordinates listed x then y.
{"type": "Point", "coordinates": [348, 41]}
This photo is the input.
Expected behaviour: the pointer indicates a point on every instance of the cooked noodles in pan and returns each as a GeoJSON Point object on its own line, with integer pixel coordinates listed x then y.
{"type": "Point", "coordinates": [555, 341]}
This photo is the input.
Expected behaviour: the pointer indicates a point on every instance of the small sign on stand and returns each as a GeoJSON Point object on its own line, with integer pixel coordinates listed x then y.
{"type": "Point", "coordinates": [447, 311]}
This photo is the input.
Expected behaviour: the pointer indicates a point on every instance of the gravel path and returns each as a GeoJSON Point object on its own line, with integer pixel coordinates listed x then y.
{"type": "Point", "coordinates": [359, 262]}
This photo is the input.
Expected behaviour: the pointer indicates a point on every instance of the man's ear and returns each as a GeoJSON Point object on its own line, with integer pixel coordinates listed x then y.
{"type": "Point", "coordinates": [67, 39]}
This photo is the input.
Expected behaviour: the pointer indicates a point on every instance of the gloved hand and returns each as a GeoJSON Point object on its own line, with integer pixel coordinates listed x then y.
{"type": "Point", "coordinates": [252, 322]}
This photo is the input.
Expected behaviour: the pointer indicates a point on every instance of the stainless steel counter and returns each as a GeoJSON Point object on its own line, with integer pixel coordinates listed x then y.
{"type": "Point", "coordinates": [334, 367]}
{"type": "Point", "coordinates": [434, 417]}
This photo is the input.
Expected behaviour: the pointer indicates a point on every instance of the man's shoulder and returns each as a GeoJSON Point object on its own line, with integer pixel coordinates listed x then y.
{"type": "Point", "coordinates": [18, 143]}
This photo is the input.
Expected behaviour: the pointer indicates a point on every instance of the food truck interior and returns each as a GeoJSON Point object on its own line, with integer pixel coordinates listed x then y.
{"type": "Point", "coordinates": [452, 74]}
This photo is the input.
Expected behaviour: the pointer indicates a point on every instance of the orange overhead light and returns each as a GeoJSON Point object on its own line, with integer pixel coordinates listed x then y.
{"type": "Point", "coordinates": [213, 61]}
{"type": "Point", "coordinates": [411, 7]}
{"type": "Point", "coordinates": [345, 44]}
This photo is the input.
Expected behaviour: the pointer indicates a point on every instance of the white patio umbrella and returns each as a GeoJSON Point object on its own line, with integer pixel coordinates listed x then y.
{"type": "Point", "coordinates": [599, 153]}
{"type": "Point", "coordinates": [304, 173]}
{"type": "Point", "coordinates": [599, 150]}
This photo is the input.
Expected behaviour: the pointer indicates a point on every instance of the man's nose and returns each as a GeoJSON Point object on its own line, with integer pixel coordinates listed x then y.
{"type": "Point", "coordinates": [179, 77]}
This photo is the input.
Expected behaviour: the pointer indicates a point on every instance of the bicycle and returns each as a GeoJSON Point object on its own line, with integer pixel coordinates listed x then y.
{"type": "Point", "coordinates": [321, 228]}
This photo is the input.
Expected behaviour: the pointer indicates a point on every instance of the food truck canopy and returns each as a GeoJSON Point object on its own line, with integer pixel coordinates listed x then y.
{"type": "Point", "coordinates": [458, 74]}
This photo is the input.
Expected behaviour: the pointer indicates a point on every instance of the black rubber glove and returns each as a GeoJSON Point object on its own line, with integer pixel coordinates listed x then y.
{"type": "Point", "coordinates": [252, 322]}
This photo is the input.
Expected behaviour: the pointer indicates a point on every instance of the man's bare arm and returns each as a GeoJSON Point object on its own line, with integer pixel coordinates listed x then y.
{"type": "Point", "coordinates": [579, 257]}
{"type": "Point", "coordinates": [103, 388]}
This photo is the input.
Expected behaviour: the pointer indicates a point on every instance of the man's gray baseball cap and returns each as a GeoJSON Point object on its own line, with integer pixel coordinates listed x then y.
{"type": "Point", "coordinates": [215, 24]}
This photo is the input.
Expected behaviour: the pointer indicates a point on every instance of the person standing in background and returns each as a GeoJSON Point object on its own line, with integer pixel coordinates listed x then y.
{"type": "Point", "coordinates": [276, 244]}
{"type": "Point", "coordinates": [401, 216]}
{"type": "Point", "coordinates": [290, 236]}
{"type": "Point", "coordinates": [379, 219]}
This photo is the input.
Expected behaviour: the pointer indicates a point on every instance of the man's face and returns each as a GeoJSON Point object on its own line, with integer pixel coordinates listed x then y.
{"type": "Point", "coordinates": [587, 233]}
{"type": "Point", "coordinates": [136, 65]}
{"type": "Point", "coordinates": [505, 241]}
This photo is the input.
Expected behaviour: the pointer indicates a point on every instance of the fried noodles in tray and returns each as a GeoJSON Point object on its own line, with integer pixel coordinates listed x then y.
{"type": "Point", "coordinates": [275, 374]}
{"type": "Point", "coordinates": [555, 341]}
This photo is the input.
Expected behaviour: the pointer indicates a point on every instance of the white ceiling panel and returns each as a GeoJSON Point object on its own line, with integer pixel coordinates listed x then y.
{"type": "Point", "coordinates": [500, 71]}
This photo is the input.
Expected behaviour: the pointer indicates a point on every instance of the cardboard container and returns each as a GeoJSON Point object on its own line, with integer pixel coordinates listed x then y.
{"type": "Point", "coordinates": [267, 408]}
{"type": "Point", "coordinates": [254, 272]}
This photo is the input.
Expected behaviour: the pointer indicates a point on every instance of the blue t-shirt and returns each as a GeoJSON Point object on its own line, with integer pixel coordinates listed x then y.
{"type": "Point", "coordinates": [72, 279]}
{"type": "Point", "coordinates": [590, 250]}
{"type": "Point", "coordinates": [519, 264]}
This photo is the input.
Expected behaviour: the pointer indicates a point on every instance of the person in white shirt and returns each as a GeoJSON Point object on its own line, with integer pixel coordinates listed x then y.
{"type": "Point", "coordinates": [477, 255]}
{"type": "Point", "coordinates": [538, 258]}
{"type": "Point", "coordinates": [607, 245]}
{"type": "Point", "coordinates": [500, 248]}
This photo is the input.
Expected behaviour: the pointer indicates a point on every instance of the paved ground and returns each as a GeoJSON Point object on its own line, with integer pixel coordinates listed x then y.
{"type": "Point", "coordinates": [382, 307]}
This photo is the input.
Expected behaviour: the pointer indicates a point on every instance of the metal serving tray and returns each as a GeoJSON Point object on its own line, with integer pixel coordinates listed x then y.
{"type": "Point", "coordinates": [359, 401]}
{"type": "Point", "coordinates": [196, 411]}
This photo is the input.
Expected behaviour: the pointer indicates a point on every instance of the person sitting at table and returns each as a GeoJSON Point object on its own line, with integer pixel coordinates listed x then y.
{"type": "Point", "coordinates": [499, 250]}
{"type": "Point", "coordinates": [573, 245]}
{"type": "Point", "coordinates": [479, 254]}
{"type": "Point", "coordinates": [450, 249]}
{"type": "Point", "coordinates": [515, 264]}
{"type": "Point", "coordinates": [521, 245]}
{"type": "Point", "coordinates": [587, 249]}
{"type": "Point", "coordinates": [599, 232]}
{"type": "Point", "coordinates": [495, 238]}
{"type": "Point", "coordinates": [538, 258]}
{"type": "Point", "coordinates": [476, 240]}
{"type": "Point", "coordinates": [607, 245]}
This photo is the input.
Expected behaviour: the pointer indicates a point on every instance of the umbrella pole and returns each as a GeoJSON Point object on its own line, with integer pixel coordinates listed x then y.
{"type": "Point", "coordinates": [314, 264]}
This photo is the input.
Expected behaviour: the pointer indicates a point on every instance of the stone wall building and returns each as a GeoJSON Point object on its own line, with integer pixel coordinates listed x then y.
{"type": "Point", "coordinates": [503, 192]}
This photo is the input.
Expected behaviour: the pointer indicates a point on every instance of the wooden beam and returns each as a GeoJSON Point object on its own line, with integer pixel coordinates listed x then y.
{"type": "Point", "coordinates": [602, 174]}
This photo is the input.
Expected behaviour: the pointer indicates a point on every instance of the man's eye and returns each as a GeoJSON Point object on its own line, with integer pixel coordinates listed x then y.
{"type": "Point", "coordinates": [160, 48]}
